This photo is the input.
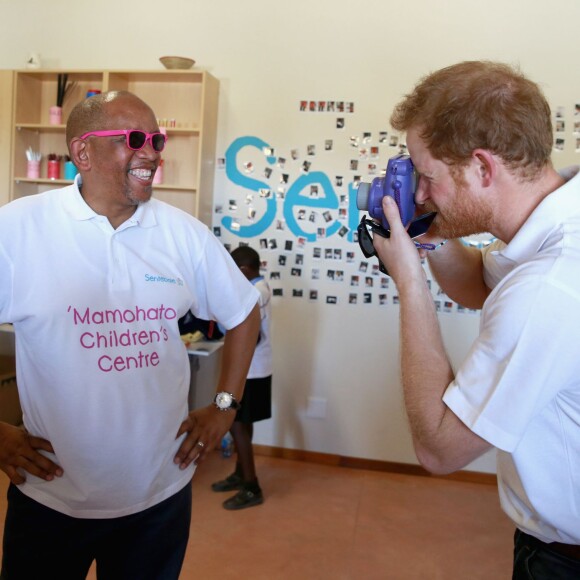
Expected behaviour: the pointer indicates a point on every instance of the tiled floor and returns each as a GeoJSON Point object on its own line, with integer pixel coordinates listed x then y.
{"type": "Point", "coordinates": [321, 523]}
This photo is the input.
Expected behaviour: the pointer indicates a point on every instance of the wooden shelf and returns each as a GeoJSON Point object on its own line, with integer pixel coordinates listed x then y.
{"type": "Point", "coordinates": [175, 131]}
{"type": "Point", "coordinates": [186, 99]}
{"type": "Point", "coordinates": [63, 182]}
{"type": "Point", "coordinates": [171, 187]}
{"type": "Point", "coordinates": [40, 127]}
{"type": "Point", "coordinates": [43, 181]}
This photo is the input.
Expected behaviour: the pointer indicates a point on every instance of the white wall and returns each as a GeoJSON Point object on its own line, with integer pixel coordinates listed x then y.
{"type": "Point", "coordinates": [268, 56]}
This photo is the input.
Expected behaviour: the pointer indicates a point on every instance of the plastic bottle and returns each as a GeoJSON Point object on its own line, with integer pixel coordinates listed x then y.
{"type": "Point", "coordinates": [227, 445]}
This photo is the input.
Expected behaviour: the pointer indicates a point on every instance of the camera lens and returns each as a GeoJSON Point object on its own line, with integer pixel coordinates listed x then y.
{"type": "Point", "coordinates": [362, 196]}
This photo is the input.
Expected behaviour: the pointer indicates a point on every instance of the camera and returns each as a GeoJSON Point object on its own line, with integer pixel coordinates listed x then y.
{"type": "Point", "coordinates": [399, 182]}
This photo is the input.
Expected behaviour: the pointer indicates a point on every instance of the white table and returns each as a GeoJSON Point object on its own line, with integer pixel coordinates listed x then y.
{"type": "Point", "coordinates": [196, 350]}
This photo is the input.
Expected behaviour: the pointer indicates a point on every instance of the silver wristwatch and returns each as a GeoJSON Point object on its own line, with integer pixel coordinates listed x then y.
{"type": "Point", "coordinates": [225, 401]}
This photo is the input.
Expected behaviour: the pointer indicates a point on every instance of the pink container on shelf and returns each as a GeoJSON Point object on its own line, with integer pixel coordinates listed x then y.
{"type": "Point", "coordinates": [33, 170]}
{"type": "Point", "coordinates": [55, 115]}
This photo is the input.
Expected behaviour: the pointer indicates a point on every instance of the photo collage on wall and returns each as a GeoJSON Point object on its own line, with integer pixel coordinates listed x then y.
{"type": "Point", "coordinates": [317, 257]}
{"type": "Point", "coordinates": [566, 124]}
{"type": "Point", "coordinates": [327, 268]}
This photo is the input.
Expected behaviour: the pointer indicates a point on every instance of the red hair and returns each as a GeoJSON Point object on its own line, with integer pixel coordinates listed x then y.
{"type": "Point", "coordinates": [480, 104]}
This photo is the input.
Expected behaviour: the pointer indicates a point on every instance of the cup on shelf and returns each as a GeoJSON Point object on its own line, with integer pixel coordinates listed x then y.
{"type": "Point", "coordinates": [55, 115]}
{"type": "Point", "coordinates": [53, 169]}
{"type": "Point", "coordinates": [70, 170]}
{"type": "Point", "coordinates": [33, 169]}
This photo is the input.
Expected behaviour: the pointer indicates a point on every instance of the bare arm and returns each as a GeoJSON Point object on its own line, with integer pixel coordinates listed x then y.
{"type": "Point", "coordinates": [442, 442]}
{"type": "Point", "coordinates": [208, 424]}
{"type": "Point", "coordinates": [239, 345]}
{"type": "Point", "coordinates": [458, 270]}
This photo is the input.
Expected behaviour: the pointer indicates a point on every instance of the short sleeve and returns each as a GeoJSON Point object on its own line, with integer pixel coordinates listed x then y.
{"type": "Point", "coordinates": [493, 269]}
{"type": "Point", "coordinates": [224, 293]}
{"type": "Point", "coordinates": [6, 283]}
{"type": "Point", "coordinates": [520, 360]}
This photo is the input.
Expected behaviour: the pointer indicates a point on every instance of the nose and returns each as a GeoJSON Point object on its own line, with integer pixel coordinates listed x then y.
{"type": "Point", "coordinates": [148, 152]}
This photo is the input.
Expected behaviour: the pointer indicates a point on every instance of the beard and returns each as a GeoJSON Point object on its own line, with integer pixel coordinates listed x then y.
{"type": "Point", "coordinates": [452, 227]}
{"type": "Point", "coordinates": [460, 219]}
{"type": "Point", "coordinates": [134, 197]}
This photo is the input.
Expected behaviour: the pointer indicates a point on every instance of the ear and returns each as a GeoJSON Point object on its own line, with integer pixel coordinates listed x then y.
{"type": "Point", "coordinates": [79, 154]}
{"type": "Point", "coordinates": [485, 165]}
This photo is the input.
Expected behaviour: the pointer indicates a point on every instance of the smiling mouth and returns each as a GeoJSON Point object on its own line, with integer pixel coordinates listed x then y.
{"type": "Point", "coordinates": [142, 174]}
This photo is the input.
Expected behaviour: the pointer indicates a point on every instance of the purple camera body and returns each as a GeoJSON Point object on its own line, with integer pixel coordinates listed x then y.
{"type": "Point", "coordinates": [399, 182]}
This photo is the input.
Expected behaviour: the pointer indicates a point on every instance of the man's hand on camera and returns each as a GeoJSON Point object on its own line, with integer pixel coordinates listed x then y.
{"type": "Point", "coordinates": [398, 253]}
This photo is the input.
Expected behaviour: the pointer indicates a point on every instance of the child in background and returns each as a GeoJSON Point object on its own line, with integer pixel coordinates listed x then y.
{"type": "Point", "coordinates": [256, 403]}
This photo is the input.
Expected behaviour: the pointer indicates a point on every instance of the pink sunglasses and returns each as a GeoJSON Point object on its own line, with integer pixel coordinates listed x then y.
{"type": "Point", "coordinates": [136, 139]}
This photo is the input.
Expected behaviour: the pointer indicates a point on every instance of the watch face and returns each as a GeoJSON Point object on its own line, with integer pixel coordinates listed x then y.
{"type": "Point", "coordinates": [223, 400]}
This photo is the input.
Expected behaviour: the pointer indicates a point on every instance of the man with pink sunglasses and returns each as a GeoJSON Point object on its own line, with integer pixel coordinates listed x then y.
{"type": "Point", "coordinates": [94, 279]}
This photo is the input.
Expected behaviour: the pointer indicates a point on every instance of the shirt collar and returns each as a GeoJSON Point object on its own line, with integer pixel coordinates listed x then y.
{"type": "Point", "coordinates": [79, 210]}
{"type": "Point", "coordinates": [549, 215]}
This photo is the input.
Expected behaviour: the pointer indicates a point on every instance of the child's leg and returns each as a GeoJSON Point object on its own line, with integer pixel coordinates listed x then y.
{"type": "Point", "coordinates": [250, 493]}
{"type": "Point", "coordinates": [243, 434]}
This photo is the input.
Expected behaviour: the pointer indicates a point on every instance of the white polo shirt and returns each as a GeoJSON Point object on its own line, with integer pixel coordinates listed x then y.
{"type": "Point", "coordinates": [102, 371]}
{"type": "Point", "coordinates": [519, 388]}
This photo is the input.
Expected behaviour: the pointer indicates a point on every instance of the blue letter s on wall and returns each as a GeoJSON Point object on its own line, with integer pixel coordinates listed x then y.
{"type": "Point", "coordinates": [246, 182]}
{"type": "Point", "coordinates": [293, 197]}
